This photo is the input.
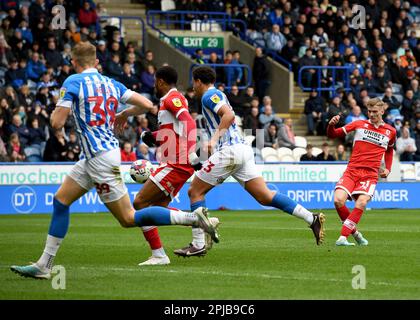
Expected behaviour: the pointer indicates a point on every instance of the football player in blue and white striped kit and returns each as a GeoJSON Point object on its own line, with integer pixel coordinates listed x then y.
{"type": "Point", "coordinates": [93, 100]}
{"type": "Point", "coordinates": [232, 157]}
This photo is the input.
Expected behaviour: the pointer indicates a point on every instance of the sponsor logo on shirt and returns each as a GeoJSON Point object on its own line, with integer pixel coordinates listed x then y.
{"type": "Point", "coordinates": [215, 98]}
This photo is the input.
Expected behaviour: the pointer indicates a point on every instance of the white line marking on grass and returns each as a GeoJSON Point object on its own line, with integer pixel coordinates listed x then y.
{"type": "Point", "coordinates": [242, 275]}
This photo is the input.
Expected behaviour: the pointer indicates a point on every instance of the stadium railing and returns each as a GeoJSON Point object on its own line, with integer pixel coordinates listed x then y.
{"type": "Point", "coordinates": [207, 21]}
{"type": "Point", "coordinates": [334, 84]}
{"type": "Point", "coordinates": [247, 74]}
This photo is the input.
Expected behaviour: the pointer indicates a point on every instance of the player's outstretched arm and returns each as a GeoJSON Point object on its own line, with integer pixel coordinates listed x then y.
{"type": "Point", "coordinates": [140, 105]}
{"type": "Point", "coordinates": [59, 117]}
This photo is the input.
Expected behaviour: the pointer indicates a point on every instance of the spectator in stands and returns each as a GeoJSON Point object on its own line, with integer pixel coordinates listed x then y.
{"type": "Point", "coordinates": [127, 135]}
{"type": "Point", "coordinates": [417, 139]}
{"type": "Point", "coordinates": [340, 153]}
{"type": "Point", "coordinates": [220, 71]}
{"type": "Point", "coordinates": [276, 16]}
{"type": "Point", "coordinates": [128, 79]}
{"type": "Point", "coordinates": [15, 149]}
{"type": "Point", "coordinates": [35, 67]}
{"type": "Point", "coordinates": [127, 153]}
{"type": "Point", "coordinates": [143, 152]}
{"type": "Point", "coordinates": [17, 126]}
{"type": "Point", "coordinates": [148, 81]}
{"type": "Point", "coordinates": [251, 121]}
{"type": "Point", "coordinates": [73, 147]}
{"type": "Point", "coordinates": [3, 152]}
{"type": "Point", "coordinates": [286, 136]}
{"type": "Point", "coordinates": [355, 114]}
{"type": "Point", "coordinates": [199, 56]}
{"type": "Point", "coordinates": [113, 67]}
{"type": "Point", "coordinates": [275, 40]}
{"type": "Point", "coordinates": [36, 134]}
{"type": "Point", "coordinates": [314, 110]}
{"type": "Point", "coordinates": [56, 147]}
{"type": "Point", "coordinates": [102, 52]}
{"type": "Point", "coordinates": [261, 73]}
{"type": "Point", "coordinates": [414, 86]}
{"type": "Point", "coordinates": [408, 105]}
{"type": "Point", "coordinates": [406, 146]}
{"type": "Point", "coordinates": [148, 59]}
{"type": "Point", "coordinates": [325, 154]}
{"type": "Point", "coordinates": [307, 60]}
{"type": "Point", "coordinates": [391, 100]}
{"type": "Point", "coordinates": [270, 137]}
{"type": "Point", "coordinates": [337, 108]}
{"type": "Point", "coordinates": [15, 76]}
{"type": "Point", "coordinates": [65, 72]}
{"type": "Point", "coordinates": [308, 156]}
{"type": "Point", "coordinates": [236, 100]}
{"type": "Point", "coordinates": [52, 55]}
{"type": "Point", "coordinates": [87, 16]}
{"type": "Point", "coordinates": [267, 117]}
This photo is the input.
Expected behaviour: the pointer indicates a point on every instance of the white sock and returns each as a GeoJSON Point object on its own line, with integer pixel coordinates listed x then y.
{"type": "Point", "coordinates": [51, 247]}
{"type": "Point", "coordinates": [199, 240]}
{"type": "Point", "coordinates": [184, 218]}
{"type": "Point", "coordinates": [304, 214]}
{"type": "Point", "coordinates": [160, 253]}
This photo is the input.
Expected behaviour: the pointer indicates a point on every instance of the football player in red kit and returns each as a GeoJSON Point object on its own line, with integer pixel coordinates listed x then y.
{"type": "Point", "coordinates": [372, 140]}
{"type": "Point", "coordinates": [176, 139]}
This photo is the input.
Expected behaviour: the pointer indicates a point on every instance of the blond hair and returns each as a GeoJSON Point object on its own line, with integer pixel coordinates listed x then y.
{"type": "Point", "coordinates": [85, 54]}
{"type": "Point", "coordinates": [375, 102]}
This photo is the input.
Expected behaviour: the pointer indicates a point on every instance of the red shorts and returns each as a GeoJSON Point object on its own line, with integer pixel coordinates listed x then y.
{"type": "Point", "coordinates": [171, 177]}
{"type": "Point", "coordinates": [356, 182]}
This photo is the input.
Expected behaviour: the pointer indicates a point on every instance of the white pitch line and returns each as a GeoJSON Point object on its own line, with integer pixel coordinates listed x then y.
{"type": "Point", "coordinates": [237, 275]}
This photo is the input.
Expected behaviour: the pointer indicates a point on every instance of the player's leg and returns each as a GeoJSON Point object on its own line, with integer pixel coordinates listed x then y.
{"type": "Point", "coordinates": [68, 192]}
{"type": "Point", "coordinates": [266, 197]}
{"type": "Point", "coordinates": [214, 171]}
{"type": "Point", "coordinates": [350, 224]}
{"type": "Point", "coordinates": [152, 195]}
{"type": "Point", "coordinates": [250, 178]}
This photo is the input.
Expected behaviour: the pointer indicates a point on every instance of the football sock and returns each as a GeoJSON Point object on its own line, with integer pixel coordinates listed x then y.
{"type": "Point", "coordinates": [350, 223]}
{"type": "Point", "coordinates": [60, 219]}
{"type": "Point", "coordinates": [161, 216]}
{"type": "Point", "coordinates": [344, 212]}
{"type": "Point", "coordinates": [56, 233]}
{"type": "Point", "coordinates": [198, 234]}
{"type": "Point", "coordinates": [151, 235]}
{"type": "Point", "coordinates": [51, 247]}
{"type": "Point", "coordinates": [290, 206]}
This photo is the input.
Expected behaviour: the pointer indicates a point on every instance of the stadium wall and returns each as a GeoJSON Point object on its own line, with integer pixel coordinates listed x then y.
{"type": "Point", "coordinates": [281, 89]}
{"type": "Point", "coordinates": [26, 189]}
{"type": "Point", "coordinates": [165, 53]}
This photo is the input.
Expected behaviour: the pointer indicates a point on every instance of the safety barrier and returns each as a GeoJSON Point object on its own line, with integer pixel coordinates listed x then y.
{"type": "Point", "coordinates": [334, 83]}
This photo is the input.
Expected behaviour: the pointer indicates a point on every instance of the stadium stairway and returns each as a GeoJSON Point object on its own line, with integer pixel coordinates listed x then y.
{"type": "Point", "coordinates": [299, 119]}
{"type": "Point", "coordinates": [131, 28]}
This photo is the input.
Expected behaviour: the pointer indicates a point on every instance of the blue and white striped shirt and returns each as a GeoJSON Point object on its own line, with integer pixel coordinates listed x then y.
{"type": "Point", "coordinates": [93, 99]}
{"type": "Point", "coordinates": [212, 100]}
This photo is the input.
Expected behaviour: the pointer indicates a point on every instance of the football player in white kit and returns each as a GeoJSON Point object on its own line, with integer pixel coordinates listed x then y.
{"type": "Point", "coordinates": [232, 157]}
{"type": "Point", "coordinates": [93, 100]}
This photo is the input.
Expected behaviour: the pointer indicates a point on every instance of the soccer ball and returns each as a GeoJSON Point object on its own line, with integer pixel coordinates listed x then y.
{"type": "Point", "coordinates": [140, 170]}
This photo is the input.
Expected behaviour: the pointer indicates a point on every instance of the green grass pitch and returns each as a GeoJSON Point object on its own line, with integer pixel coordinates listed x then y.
{"type": "Point", "coordinates": [262, 255]}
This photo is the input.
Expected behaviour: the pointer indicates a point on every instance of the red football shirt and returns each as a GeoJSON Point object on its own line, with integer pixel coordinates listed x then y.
{"type": "Point", "coordinates": [172, 135]}
{"type": "Point", "coordinates": [370, 143]}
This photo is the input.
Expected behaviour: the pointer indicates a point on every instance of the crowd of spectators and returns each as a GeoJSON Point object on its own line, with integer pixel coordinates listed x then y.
{"type": "Point", "coordinates": [35, 59]}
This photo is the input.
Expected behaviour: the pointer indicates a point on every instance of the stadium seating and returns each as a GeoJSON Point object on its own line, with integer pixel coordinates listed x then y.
{"type": "Point", "coordinates": [298, 152]}
{"type": "Point", "coordinates": [284, 151]}
{"type": "Point", "coordinates": [267, 151]}
{"type": "Point", "coordinates": [300, 142]}
{"type": "Point", "coordinates": [249, 140]}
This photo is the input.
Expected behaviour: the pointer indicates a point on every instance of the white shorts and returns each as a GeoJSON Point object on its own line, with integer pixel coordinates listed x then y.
{"type": "Point", "coordinates": [236, 161]}
{"type": "Point", "coordinates": [103, 173]}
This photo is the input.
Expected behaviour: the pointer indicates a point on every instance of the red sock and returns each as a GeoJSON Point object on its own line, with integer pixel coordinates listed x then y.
{"type": "Point", "coordinates": [349, 225]}
{"type": "Point", "coordinates": [152, 236]}
{"type": "Point", "coordinates": [344, 213]}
